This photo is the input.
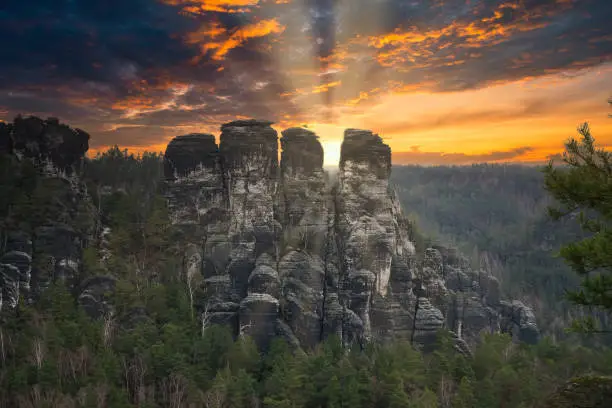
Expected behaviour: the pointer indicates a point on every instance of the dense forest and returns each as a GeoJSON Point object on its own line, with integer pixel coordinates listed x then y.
{"type": "Point", "coordinates": [153, 352]}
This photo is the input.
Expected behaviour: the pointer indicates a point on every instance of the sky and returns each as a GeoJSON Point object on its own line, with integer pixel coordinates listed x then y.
{"type": "Point", "coordinates": [441, 81]}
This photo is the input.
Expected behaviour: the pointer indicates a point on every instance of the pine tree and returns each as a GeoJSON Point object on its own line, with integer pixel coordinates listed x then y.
{"type": "Point", "coordinates": [583, 189]}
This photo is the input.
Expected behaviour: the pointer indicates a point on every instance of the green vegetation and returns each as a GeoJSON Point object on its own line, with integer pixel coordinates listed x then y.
{"type": "Point", "coordinates": [583, 189]}
{"type": "Point", "coordinates": [125, 190]}
{"type": "Point", "coordinates": [151, 350]}
{"type": "Point", "coordinates": [55, 356]}
{"type": "Point", "coordinates": [590, 391]}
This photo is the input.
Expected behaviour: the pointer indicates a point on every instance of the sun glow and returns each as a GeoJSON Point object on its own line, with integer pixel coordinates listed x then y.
{"type": "Point", "coordinates": [331, 153]}
{"type": "Point", "coordinates": [331, 140]}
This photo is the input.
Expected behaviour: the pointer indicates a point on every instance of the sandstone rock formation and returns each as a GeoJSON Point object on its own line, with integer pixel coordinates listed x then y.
{"type": "Point", "coordinates": [41, 244]}
{"type": "Point", "coordinates": [269, 248]}
{"type": "Point", "coordinates": [282, 250]}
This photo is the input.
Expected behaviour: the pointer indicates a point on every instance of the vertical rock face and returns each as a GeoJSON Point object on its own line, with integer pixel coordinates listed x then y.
{"type": "Point", "coordinates": [223, 198]}
{"type": "Point", "coordinates": [192, 167]}
{"type": "Point", "coordinates": [15, 268]}
{"type": "Point", "coordinates": [198, 204]}
{"type": "Point", "coordinates": [35, 253]}
{"type": "Point", "coordinates": [305, 213]}
{"type": "Point", "coordinates": [250, 162]}
{"type": "Point", "coordinates": [282, 250]}
{"type": "Point", "coordinates": [367, 235]}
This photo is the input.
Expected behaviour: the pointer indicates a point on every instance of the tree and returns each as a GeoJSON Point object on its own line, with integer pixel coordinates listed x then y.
{"type": "Point", "coordinates": [465, 395]}
{"type": "Point", "coordinates": [583, 189]}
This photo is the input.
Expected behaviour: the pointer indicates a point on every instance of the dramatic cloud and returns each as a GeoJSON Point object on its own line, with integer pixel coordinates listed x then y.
{"type": "Point", "coordinates": [220, 41]}
{"type": "Point", "coordinates": [202, 6]}
{"type": "Point", "coordinates": [153, 68]}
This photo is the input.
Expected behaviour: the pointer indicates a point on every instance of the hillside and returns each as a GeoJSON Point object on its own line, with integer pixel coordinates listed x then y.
{"type": "Point", "coordinates": [497, 215]}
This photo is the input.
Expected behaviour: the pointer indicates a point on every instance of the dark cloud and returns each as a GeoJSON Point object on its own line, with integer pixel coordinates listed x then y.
{"type": "Point", "coordinates": [164, 63]}
{"type": "Point", "coordinates": [439, 158]}
{"type": "Point", "coordinates": [116, 53]}
{"type": "Point", "coordinates": [461, 45]}
{"type": "Point", "coordinates": [110, 42]}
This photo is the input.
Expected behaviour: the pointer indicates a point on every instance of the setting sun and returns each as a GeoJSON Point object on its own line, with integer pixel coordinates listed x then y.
{"type": "Point", "coordinates": [331, 153]}
{"type": "Point", "coordinates": [331, 140]}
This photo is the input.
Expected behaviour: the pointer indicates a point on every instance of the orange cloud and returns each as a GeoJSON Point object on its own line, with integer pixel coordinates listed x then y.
{"type": "Point", "coordinates": [325, 87]}
{"type": "Point", "coordinates": [150, 97]}
{"type": "Point", "coordinates": [217, 39]}
{"type": "Point", "coordinates": [391, 87]}
{"type": "Point", "coordinates": [134, 102]}
{"type": "Point", "coordinates": [362, 97]}
{"type": "Point", "coordinates": [201, 6]}
{"type": "Point", "coordinates": [411, 36]}
{"type": "Point", "coordinates": [406, 46]}
{"type": "Point", "coordinates": [421, 48]}
{"type": "Point", "coordinates": [206, 33]}
{"type": "Point", "coordinates": [316, 89]}
{"type": "Point", "coordinates": [195, 7]}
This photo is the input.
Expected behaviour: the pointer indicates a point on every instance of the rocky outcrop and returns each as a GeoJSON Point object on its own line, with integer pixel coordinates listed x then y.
{"type": "Point", "coordinates": [56, 146]}
{"type": "Point", "coordinates": [473, 302]}
{"type": "Point", "coordinates": [281, 249]}
{"type": "Point", "coordinates": [15, 268]}
{"type": "Point", "coordinates": [305, 213]}
{"type": "Point", "coordinates": [519, 320]}
{"type": "Point", "coordinates": [270, 248]}
{"type": "Point", "coordinates": [94, 295]}
{"type": "Point", "coordinates": [44, 236]}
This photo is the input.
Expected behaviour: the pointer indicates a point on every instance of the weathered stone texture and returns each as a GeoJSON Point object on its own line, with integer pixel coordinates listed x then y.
{"type": "Point", "coordinates": [286, 251]}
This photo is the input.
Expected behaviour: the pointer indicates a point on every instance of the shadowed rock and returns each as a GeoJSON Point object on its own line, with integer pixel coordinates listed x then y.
{"type": "Point", "coordinates": [185, 154]}
{"type": "Point", "coordinates": [519, 321]}
{"type": "Point", "coordinates": [6, 143]}
{"type": "Point", "coordinates": [249, 149]}
{"type": "Point", "coordinates": [363, 146]}
{"type": "Point", "coordinates": [247, 123]}
{"type": "Point", "coordinates": [301, 151]}
{"type": "Point", "coordinates": [46, 140]}
{"type": "Point", "coordinates": [59, 245]}
{"type": "Point", "coordinates": [95, 295]}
